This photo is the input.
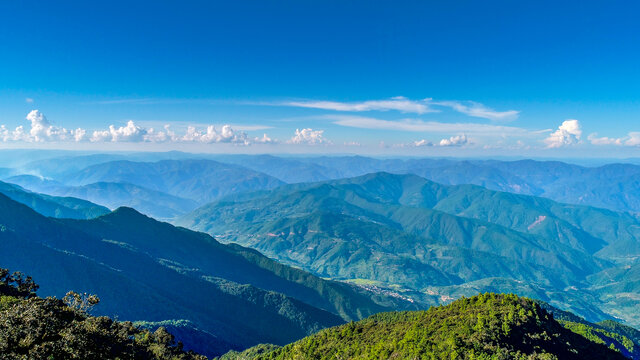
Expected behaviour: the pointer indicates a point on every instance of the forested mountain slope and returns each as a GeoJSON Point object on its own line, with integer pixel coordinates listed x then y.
{"type": "Point", "coordinates": [147, 270]}
{"type": "Point", "coordinates": [441, 241]}
{"type": "Point", "coordinates": [486, 326]}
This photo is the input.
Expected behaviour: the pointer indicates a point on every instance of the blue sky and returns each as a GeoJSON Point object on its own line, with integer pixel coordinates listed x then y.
{"type": "Point", "coordinates": [404, 77]}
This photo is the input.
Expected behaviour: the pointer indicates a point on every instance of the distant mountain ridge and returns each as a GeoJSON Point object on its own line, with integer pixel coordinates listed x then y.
{"type": "Point", "coordinates": [613, 186]}
{"type": "Point", "coordinates": [54, 206]}
{"type": "Point", "coordinates": [437, 240]}
{"type": "Point", "coordinates": [198, 180]}
{"type": "Point", "coordinates": [113, 195]}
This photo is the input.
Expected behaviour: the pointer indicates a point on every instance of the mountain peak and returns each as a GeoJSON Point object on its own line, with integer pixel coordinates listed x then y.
{"type": "Point", "coordinates": [125, 212]}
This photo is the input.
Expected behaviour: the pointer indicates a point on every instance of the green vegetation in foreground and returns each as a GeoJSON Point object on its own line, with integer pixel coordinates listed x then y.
{"type": "Point", "coordinates": [487, 326]}
{"type": "Point", "coordinates": [52, 329]}
{"type": "Point", "coordinates": [250, 353]}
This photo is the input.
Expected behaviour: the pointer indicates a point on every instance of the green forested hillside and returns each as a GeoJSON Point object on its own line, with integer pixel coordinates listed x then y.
{"type": "Point", "coordinates": [50, 328]}
{"type": "Point", "coordinates": [168, 273]}
{"type": "Point", "coordinates": [487, 326]}
{"type": "Point", "coordinates": [435, 242]}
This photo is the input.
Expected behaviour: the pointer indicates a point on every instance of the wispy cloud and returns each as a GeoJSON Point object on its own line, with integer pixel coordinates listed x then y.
{"type": "Point", "coordinates": [478, 110]}
{"type": "Point", "coordinates": [423, 126]}
{"type": "Point", "coordinates": [397, 103]}
{"type": "Point", "coordinates": [405, 105]}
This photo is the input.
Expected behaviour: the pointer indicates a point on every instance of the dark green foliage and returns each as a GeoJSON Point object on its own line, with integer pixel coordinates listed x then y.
{"type": "Point", "coordinates": [487, 326]}
{"type": "Point", "coordinates": [37, 328]}
{"type": "Point", "coordinates": [613, 340]}
{"type": "Point", "coordinates": [17, 285]}
{"type": "Point", "coordinates": [616, 327]}
{"type": "Point", "coordinates": [250, 353]}
{"type": "Point", "coordinates": [207, 343]}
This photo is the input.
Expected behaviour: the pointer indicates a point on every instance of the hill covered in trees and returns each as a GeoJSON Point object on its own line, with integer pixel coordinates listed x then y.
{"type": "Point", "coordinates": [437, 242]}
{"type": "Point", "coordinates": [146, 270]}
{"type": "Point", "coordinates": [487, 326]}
{"type": "Point", "coordinates": [55, 329]}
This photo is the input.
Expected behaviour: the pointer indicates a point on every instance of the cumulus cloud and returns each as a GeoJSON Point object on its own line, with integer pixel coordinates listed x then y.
{"type": "Point", "coordinates": [568, 133]}
{"type": "Point", "coordinates": [309, 136]}
{"type": "Point", "coordinates": [632, 139]}
{"type": "Point", "coordinates": [41, 130]}
{"type": "Point", "coordinates": [478, 110]}
{"type": "Point", "coordinates": [457, 140]}
{"type": "Point", "coordinates": [212, 135]}
{"type": "Point", "coordinates": [595, 140]}
{"type": "Point", "coordinates": [129, 133]}
{"type": "Point", "coordinates": [28, 100]}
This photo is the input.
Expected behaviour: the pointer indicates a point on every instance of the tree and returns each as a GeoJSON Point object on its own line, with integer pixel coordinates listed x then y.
{"type": "Point", "coordinates": [81, 302]}
{"type": "Point", "coordinates": [17, 284]}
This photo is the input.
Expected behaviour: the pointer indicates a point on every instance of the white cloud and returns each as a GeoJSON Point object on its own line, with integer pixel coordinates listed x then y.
{"type": "Point", "coordinates": [212, 135]}
{"type": "Point", "coordinates": [425, 126]}
{"type": "Point", "coordinates": [265, 139]}
{"type": "Point", "coordinates": [405, 105]}
{"type": "Point", "coordinates": [478, 110]}
{"type": "Point", "coordinates": [41, 130]}
{"type": "Point", "coordinates": [309, 137]}
{"type": "Point", "coordinates": [28, 100]}
{"type": "Point", "coordinates": [129, 133]}
{"type": "Point", "coordinates": [422, 142]}
{"type": "Point", "coordinates": [397, 103]}
{"type": "Point", "coordinates": [457, 140]}
{"type": "Point", "coordinates": [568, 133]}
{"type": "Point", "coordinates": [80, 134]}
{"type": "Point", "coordinates": [595, 140]}
{"type": "Point", "coordinates": [634, 139]}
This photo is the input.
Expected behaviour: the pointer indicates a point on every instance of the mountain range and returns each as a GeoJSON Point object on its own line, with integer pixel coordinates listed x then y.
{"type": "Point", "coordinates": [433, 240]}
{"type": "Point", "coordinates": [147, 270]}
{"type": "Point", "coordinates": [54, 206]}
{"type": "Point", "coordinates": [343, 238]}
